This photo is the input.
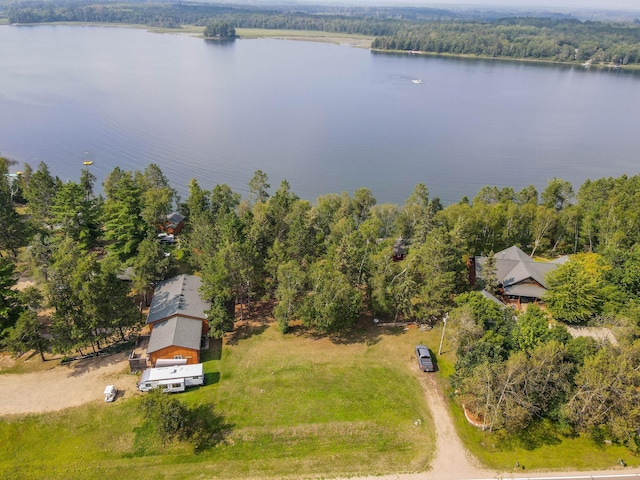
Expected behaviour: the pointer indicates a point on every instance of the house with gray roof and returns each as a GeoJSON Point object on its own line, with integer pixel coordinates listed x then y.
{"type": "Point", "coordinates": [178, 296]}
{"type": "Point", "coordinates": [521, 279]}
{"type": "Point", "coordinates": [177, 320]}
{"type": "Point", "coordinates": [177, 338]}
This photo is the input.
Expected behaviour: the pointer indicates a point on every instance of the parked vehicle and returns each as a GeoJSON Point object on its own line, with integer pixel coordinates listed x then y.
{"type": "Point", "coordinates": [110, 393]}
{"type": "Point", "coordinates": [425, 362]}
{"type": "Point", "coordinates": [166, 238]}
{"type": "Point", "coordinates": [172, 379]}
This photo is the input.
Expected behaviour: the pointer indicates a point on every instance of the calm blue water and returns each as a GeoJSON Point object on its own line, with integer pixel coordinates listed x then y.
{"type": "Point", "coordinates": [327, 118]}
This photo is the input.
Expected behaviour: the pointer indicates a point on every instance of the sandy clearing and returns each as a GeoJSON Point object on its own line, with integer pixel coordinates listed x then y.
{"type": "Point", "coordinates": [65, 386]}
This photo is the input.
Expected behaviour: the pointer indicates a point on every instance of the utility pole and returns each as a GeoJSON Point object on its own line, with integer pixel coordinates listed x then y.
{"type": "Point", "coordinates": [444, 326]}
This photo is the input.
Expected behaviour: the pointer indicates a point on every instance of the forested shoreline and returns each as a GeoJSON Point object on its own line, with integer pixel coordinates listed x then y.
{"type": "Point", "coordinates": [554, 38]}
{"type": "Point", "coordinates": [323, 265]}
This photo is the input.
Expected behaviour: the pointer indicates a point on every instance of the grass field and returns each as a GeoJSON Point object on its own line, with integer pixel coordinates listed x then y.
{"type": "Point", "coordinates": [315, 406]}
{"type": "Point", "coordinates": [314, 36]}
{"type": "Point", "coordinates": [293, 403]}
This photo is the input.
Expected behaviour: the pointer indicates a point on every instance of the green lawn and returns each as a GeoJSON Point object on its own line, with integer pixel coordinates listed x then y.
{"type": "Point", "coordinates": [289, 403]}
{"type": "Point", "coordinates": [293, 403]}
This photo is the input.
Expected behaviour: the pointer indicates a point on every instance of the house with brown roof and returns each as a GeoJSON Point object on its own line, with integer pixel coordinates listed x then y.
{"type": "Point", "coordinates": [173, 225]}
{"type": "Point", "coordinates": [521, 279]}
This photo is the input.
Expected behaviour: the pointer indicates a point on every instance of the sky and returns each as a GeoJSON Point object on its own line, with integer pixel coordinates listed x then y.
{"type": "Point", "coordinates": [552, 4]}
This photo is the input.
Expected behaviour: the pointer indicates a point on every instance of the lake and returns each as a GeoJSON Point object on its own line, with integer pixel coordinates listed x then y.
{"type": "Point", "coordinates": [327, 118]}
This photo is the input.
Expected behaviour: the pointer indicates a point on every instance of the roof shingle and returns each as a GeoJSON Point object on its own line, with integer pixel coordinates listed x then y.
{"type": "Point", "coordinates": [178, 296]}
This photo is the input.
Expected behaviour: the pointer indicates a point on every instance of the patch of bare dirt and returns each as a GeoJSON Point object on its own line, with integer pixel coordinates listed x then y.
{"type": "Point", "coordinates": [6, 361]}
{"type": "Point", "coordinates": [66, 385]}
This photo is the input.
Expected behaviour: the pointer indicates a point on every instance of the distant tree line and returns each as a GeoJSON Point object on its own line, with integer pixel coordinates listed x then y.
{"type": "Point", "coordinates": [553, 38]}
{"type": "Point", "coordinates": [522, 38]}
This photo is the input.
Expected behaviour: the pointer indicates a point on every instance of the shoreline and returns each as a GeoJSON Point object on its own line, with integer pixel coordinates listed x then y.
{"type": "Point", "coordinates": [351, 40]}
{"type": "Point", "coordinates": [598, 66]}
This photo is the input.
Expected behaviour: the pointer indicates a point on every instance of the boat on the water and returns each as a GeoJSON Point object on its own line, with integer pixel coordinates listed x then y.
{"type": "Point", "coordinates": [87, 162]}
{"type": "Point", "coordinates": [417, 80]}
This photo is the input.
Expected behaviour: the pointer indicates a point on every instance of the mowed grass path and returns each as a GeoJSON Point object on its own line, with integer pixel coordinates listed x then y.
{"type": "Point", "coordinates": [294, 405]}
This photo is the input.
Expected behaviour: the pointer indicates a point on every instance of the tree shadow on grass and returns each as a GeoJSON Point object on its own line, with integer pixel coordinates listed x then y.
{"type": "Point", "coordinates": [207, 428]}
{"type": "Point", "coordinates": [364, 331]}
{"type": "Point", "coordinates": [244, 331]}
{"type": "Point", "coordinates": [211, 378]}
{"type": "Point", "coordinates": [535, 436]}
{"type": "Point", "coordinates": [214, 352]}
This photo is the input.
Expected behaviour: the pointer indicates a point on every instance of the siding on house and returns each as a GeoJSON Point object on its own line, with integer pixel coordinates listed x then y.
{"type": "Point", "coordinates": [192, 356]}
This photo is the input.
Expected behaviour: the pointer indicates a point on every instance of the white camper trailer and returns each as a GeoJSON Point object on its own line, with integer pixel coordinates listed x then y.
{"type": "Point", "coordinates": [172, 379]}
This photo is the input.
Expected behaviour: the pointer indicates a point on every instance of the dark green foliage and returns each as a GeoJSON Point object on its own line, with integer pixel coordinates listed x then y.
{"type": "Point", "coordinates": [10, 305]}
{"type": "Point", "coordinates": [150, 266]}
{"type": "Point", "coordinates": [288, 294]}
{"type": "Point", "coordinates": [557, 195]}
{"type": "Point", "coordinates": [13, 232]}
{"type": "Point", "coordinates": [88, 299]}
{"type": "Point", "coordinates": [137, 204]}
{"type": "Point", "coordinates": [533, 329]}
{"type": "Point", "coordinates": [168, 415]}
{"type": "Point", "coordinates": [581, 348]}
{"type": "Point", "coordinates": [576, 290]}
{"type": "Point", "coordinates": [221, 317]}
{"type": "Point", "coordinates": [27, 334]}
{"type": "Point", "coordinates": [219, 29]}
{"type": "Point", "coordinates": [606, 398]}
{"type": "Point", "coordinates": [611, 213]}
{"type": "Point", "coordinates": [332, 304]}
{"type": "Point", "coordinates": [511, 394]}
{"type": "Point", "coordinates": [75, 214]}
{"type": "Point", "coordinates": [39, 192]}
{"type": "Point", "coordinates": [487, 314]}
{"type": "Point", "coordinates": [123, 223]}
{"type": "Point", "coordinates": [489, 275]}
{"type": "Point", "coordinates": [172, 420]}
{"type": "Point", "coordinates": [523, 38]}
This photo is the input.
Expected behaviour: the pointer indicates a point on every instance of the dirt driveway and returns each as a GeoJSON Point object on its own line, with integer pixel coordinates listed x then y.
{"type": "Point", "coordinates": [453, 462]}
{"type": "Point", "coordinates": [65, 386]}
